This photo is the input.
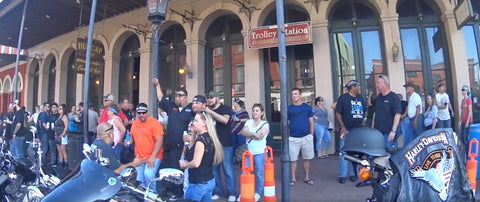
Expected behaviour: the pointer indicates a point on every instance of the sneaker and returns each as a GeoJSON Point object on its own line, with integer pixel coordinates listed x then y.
{"type": "Point", "coordinates": [231, 198]}
{"type": "Point", "coordinates": [257, 197]}
{"type": "Point", "coordinates": [215, 197]}
{"type": "Point", "coordinates": [353, 178]}
{"type": "Point", "coordinates": [341, 180]}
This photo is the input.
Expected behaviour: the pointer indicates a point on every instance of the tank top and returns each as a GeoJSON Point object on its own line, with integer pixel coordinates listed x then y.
{"type": "Point", "coordinates": [116, 131]}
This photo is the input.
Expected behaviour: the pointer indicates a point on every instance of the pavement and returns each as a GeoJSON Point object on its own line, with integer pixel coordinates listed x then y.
{"type": "Point", "coordinates": [325, 188]}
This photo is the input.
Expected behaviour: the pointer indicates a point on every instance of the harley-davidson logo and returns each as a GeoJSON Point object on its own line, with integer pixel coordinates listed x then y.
{"type": "Point", "coordinates": [436, 170]}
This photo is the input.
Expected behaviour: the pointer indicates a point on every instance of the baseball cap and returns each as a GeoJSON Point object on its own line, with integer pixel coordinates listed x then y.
{"type": "Point", "coordinates": [409, 84]}
{"type": "Point", "coordinates": [142, 107]}
{"type": "Point", "coordinates": [465, 88]}
{"type": "Point", "coordinates": [351, 83]}
{"type": "Point", "coordinates": [213, 94]}
{"type": "Point", "coordinates": [81, 104]}
{"type": "Point", "coordinates": [108, 97]}
{"type": "Point", "coordinates": [200, 98]}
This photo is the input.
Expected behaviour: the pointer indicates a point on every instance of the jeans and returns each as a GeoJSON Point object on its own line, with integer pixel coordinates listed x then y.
{"type": "Point", "coordinates": [259, 165]}
{"type": "Point", "coordinates": [322, 134]}
{"type": "Point", "coordinates": [344, 166]}
{"type": "Point", "coordinates": [229, 172]}
{"type": "Point", "coordinates": [406, 127]}
{"type": "Point", "coordinates": [389, 146]}
{"type": "Point", "coordinates": [48, 145]}
{"type": "Point", "coordinates": [200, 192]}
{"type": "Point", "coordinates": [444, 124]}
{"type": "Point", "coordinates": [145, 174]}
{"type": "Point", "coordinates": [17, 147]}
{"type": "Point", "coordinates": [465, 132]}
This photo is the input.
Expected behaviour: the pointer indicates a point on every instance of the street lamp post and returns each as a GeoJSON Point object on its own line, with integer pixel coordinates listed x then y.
{"type": "Point", "coordinates": [156, 14]}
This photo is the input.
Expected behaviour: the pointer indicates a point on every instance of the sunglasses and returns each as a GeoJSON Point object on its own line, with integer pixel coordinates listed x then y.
{"type": "Point", "coordinates": [109, 129]}
{"type": "Point", "coordinates": [141, 113]}
{"type": "Point", "coordinates": [210, 98]}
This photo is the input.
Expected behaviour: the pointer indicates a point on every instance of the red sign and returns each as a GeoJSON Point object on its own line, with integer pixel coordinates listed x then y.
{"type": "Point", "coordinates": [267, 36]}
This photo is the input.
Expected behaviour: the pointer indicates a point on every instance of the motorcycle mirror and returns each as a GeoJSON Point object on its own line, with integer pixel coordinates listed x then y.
{"type": "Point", "coordinates": [86, 147]}
{"type": "Point", "coordinates": [129, 173]}
{"type": "Point", "coordinates": [33, 129]}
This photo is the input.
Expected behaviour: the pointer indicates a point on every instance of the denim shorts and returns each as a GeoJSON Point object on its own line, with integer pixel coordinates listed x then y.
{"type": "Point", "coordinates": [200, 191]}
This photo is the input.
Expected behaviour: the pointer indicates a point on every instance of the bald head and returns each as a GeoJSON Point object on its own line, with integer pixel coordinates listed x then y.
{"type": "Point", "coordinates": [105, 132]}
{"type": "Point", "coordinates": [383, 84]}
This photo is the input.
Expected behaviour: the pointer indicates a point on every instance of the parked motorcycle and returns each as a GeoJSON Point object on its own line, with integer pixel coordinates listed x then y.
{"type": "Point", "coordinates": [429, 168]}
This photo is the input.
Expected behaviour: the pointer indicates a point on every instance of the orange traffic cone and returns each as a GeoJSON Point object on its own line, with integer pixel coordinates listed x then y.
{"type": "Point", "coordinates": [269, 183]}
{"type": "Point", "coordinates": [247, 179]}
{"type": "Point", "coordinates": [472, 164]}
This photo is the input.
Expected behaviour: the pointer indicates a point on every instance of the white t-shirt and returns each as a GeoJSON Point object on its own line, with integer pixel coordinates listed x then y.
{"type": "Point", "coordinates": [414, 101]}
{"type": "Point", "coordinates": [257, 146]}
{"type": "Point", "coordinates": [442, 100]}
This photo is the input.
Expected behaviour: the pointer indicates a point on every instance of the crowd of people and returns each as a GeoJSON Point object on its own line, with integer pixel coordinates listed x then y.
{"type": "Point", "coordinates": [201, 137]}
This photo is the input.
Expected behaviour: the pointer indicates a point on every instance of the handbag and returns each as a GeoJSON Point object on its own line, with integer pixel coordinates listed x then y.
{"type": "Point", "coordinates": [244, 147]}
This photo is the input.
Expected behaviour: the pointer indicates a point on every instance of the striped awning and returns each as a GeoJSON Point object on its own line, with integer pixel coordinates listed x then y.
{"type": "Point", "coordinates": [11, 50]}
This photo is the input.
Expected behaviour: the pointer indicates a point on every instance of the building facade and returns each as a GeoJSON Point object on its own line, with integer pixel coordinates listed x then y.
{"type": "Point", "coordinates": [409, 40]}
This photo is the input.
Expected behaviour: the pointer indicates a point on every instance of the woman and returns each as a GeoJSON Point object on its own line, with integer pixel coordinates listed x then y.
{"type": "Point", "coordinates": [73, 120]}
{"type": "Point", "coordinates": [61, 138]}
{"type": "Point", "coordinates": [320, 116]}
{"type": "Point", "coordinates": [202, 152]}
{"type": "Point", "coordinates": [256, 131]}
{"type": "Point", "coordinates": [118, 129]}
{"type": "Point", "coordinates": [237, 121]}
{"type": "Point", "coordinates": [430, 114]}
{"type": "Point", "coordinates": [466, 115]}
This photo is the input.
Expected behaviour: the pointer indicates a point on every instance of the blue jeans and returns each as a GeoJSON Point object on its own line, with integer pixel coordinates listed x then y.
{"type": "Point", "coordinates": [229, 172]}
{"type": "Point", "coordinates": [48, 145]}
{"type": "Point", "coordinates": [406, 128]}
{"type": "Point", "coordinates": [200, 192]}
{"type": "Point", "coordinates": [389, 146]}
{"type": "Point", "coordinates": [145, 174]}
{"type": "Point", "coordinates": [322, 134]}
{"type": "Point", "coordinates": [344, 166]}
{"type": "Point", "coordinates": [238, 140]}
{"type": "Point", "coordinates": [444, 123]}
{"type": "Point", "coordinates": [259, 165]}
{"type": "Point", "coordinates": [18, 148]}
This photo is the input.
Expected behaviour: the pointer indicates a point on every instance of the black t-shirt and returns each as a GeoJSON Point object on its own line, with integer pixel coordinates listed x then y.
{"type": "Point", "coordinates": [19, 119]}
{"type": "Point", "coordinates": [352, 110]}
{"type": "Point", "coordinates": [9, 127]}
{"type": "Point", "coordinates": [107, 152]}
{"type": "Point", "coordinates": [51, 131]}
{"type": "Point", "coordinates": [204, 172]}
{"type": "Point", "coordinates": [178, 121]}
{"type": "Point", "coordinates": [128, 113]}
{"type": "Point", "coordinates": [404, 105]}
{"type": "Point", "coordinates": [224, 131]}
{"type": "Point", "coordinates": [385, 109]}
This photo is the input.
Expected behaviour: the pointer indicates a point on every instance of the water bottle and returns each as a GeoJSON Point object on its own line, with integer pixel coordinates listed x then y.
{"type": "Point", "coordinates": [185, 133]}
{"type": "Point", "coordinates": [127, 138]}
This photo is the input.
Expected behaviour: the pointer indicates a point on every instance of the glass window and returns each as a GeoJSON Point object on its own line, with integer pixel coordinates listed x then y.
{"type": "Point", "coordinates": [372, 58]}
{"type": "Point", "coordinates": [471, 42]}
{"type": "Point", "coordinates": [238, 71]}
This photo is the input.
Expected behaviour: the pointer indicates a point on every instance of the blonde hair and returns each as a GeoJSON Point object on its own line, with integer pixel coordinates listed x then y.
{"type": "Point", "coordinates": [218, 157]}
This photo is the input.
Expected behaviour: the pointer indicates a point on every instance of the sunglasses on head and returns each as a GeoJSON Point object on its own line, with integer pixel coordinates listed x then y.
{"type": "Point", "coordinates": [109, 129]}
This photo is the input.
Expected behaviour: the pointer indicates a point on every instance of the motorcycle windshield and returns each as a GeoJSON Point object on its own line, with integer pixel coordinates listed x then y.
{"type": "Point", "coordinates": [94, 182]}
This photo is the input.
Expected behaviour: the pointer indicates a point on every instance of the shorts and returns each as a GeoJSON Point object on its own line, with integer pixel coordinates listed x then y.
{"type": "Point", "coordinates": [61, 140]}
{"type": "Point", "coordinates": [303, 144]}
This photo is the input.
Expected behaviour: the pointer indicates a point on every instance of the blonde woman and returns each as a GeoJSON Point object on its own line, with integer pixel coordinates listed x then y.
{"type": "Point", "coordinates": [256, 131]}
{"type": "Point", "coordinates": [203, 151]}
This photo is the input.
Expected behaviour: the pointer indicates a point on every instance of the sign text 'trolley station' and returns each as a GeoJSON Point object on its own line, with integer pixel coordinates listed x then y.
{"type": "Point", "coordinates": [267, 36]}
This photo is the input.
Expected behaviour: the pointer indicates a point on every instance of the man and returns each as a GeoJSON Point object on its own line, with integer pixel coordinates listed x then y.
{"type": "Point", "coordinates": [130, 117]}
{"type": "Point", "coordinates": [387, 112]}
{"type": "Point", "coordinates": [443, 104]}
{"type": "Point", "coordinates": [350, 113]}
{"type": "Point", "coordinates": [103, 142]}
{"type": "Point", "coordinates": [221, 115]}
{"type": "Point", "coordinates": [48, 147]}
{"type": "Point", "coordinates": [199, 103]}
{"type": "Point", "coordinates": [300, 116]}
{"type": "Point", "coordinates": [92, 122]}
{"type": "Point", "coordinates": [107, 102]}
{"type": "Point", "coordinates": [414, 109]}
{"type": "Point", "coordinates": [147, 135]}
{"type": "Point", "coordinates": [179, 114]}
{"type": "Point", "coordinates": [51, 130]}
{"type": "Point", "coordinates": [18, 133]}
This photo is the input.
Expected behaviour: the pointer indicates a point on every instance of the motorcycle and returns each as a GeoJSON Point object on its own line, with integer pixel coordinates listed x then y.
{"type": "Point", "coordinates": [95, 181]}
{"type": "Point", "coordinates": [429, 168]}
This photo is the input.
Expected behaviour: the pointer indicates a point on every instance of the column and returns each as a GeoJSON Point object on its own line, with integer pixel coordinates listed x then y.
{"type": "Point", "coordinates": [323, 70]}
{"type": "Point", "coordinates": [145, 77]}
{"type": "Point", "coordinates": [43, 84]}
{"type": "Point", "coordinates": [396, 70]}
{"type": "Point", "coordinates": [254, 75]}
{"type": "Point", "coordinates": [61, 85]}
{"type": "Point", "coordinates": [79, 88]}
{"type": "Point", "coordinates": [111, 74]}
{"type": "Point", "coordinates": [195, 58]}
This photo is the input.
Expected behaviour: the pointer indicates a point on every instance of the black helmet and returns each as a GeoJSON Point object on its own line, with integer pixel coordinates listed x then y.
{"type": "Point", "coordinates": [365, 140]}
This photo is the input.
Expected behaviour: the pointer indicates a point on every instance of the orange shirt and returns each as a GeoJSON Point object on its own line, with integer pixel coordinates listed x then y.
{"type": "Point", "coordinates": [143, 134]}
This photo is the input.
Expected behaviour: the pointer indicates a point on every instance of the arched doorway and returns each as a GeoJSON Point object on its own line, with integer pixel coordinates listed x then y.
{"type": "Point", "coordinates": [356, 46]}
{"type": "Point", "coordinates": [71, 81]}
{"type": "Point", "coordinates": [35, 77]}
{"type": "Point", "coordinates": [7, 85]}
{"type": "Point", "coordinates": [471, 33]}
{"type": "Point", "coordinates": [128, 87]}
{"type": "Point", "coordinates": [172, 59]}
{"type": "Point", "coordinates": [424, 45]}
{"type": "Point", "coordinates": [51, 74]}
{"type": "Point", "coordinates": [225, 71]}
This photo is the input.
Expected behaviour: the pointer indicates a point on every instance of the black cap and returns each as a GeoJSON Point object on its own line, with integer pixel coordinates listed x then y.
{"type": "Point", "coordinates": [80, 104]}
{"type": "Point", "coordinates": [200, 98]}
{"type": "Point", "coordinates": [142, 107]}
{"type": "Point", "coordinates": [409, 84]}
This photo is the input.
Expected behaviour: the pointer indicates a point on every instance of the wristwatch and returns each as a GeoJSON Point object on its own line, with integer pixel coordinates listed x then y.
{"type": "Point", "coordinates": [394, 131]}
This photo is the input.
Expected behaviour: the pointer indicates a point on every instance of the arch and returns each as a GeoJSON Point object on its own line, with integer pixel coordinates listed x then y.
{"type": "Point", "coordinates": [65, 56]}
{"type": "Point", "coordinates": [267, 6]}
{"type": "Point", "coordinates": [19, 82]}
{"type": "Point", "coordinates": [430, 3]}
{"type": "Point", "coordinates": [442, 6]}
{"type": "Point", "coordinates": [119, 39]}
{"type": "Point", "coordinates": [1, 85]}
{"type": "Point", "coordinates": [174, 20]}
{"type": "Point", "coordinates": [31, 67]}
{"type": "Point", "coordinates": [104, 41]}
{"type": "Point", "coordinates": [7, 84]}
{"type": "Point", "coordinates": [215, 11]}
{"type": "Point", "coordinates": [376, 6]}
{"type": "Point", "coordinates": [50, 57]}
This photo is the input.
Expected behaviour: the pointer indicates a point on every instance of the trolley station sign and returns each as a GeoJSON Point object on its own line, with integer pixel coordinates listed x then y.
{"type": "Point", "coordinates": [96, 62]}
{"type": "Point", "coordinates": [267, 36]}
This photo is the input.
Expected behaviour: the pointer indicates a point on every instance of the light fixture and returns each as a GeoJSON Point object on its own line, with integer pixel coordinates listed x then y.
{"type": "Point", "coordinates": [181, 71]}
{"type": "Point", "coordinates": [97, 82]}
{"type": "Point", "coordinates": [171, 45]}
{"type": "Point", "coordinates": [134, 77]}
{"type": "Point", "coordinates": [395, 51]}
{"type": "Point", "coordinates": [25, 28]}
{"type": "Point", "coordinates": [223, 37]}
{"type": "Point", "coordinates": [157, 9]}
{"type": "Point", "coordinates": [47, 16]}
{"type": "Point", "coordinates": [186, 69]}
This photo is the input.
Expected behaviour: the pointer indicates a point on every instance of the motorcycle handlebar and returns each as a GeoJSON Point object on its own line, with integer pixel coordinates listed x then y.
{"type": "Point", "coordinates": [149, 196]}
{"type": "Point", "coordinates": [356, 160]}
